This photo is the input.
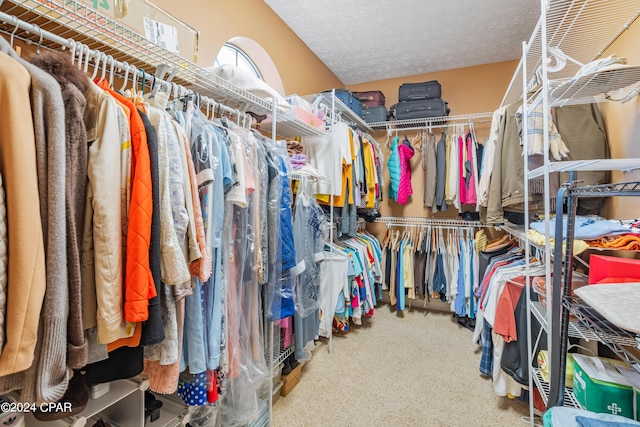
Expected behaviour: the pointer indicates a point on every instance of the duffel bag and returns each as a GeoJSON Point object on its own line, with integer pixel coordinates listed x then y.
{"type": "Point", "coordinates": [372, 98]}
{"type": "Point", "coordinates": [415, 91]}
{"type": "Point", "coordinates": [420, 109]}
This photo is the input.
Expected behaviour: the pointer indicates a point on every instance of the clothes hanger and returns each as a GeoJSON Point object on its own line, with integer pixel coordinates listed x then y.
{"type": "Point", "coordinates": [112, 69]}
{"type": "Point", "coordinates": [387, 236]}
{"type": "Point", "coordinates": [143, 82]}
{"type": "Point", "coordinates": [127, 69]}
{"type": "Point", "coordinates": [207, 107]}
{"type": "Point", "coordinates": [72, 49]}
{"type": "Point", "coordinates": [13, 33]}
{"type": "Point", "coordinates": [80, 49]}
{"type": "Point", "coordinates": [104, 67]}
{"type": "Point", "coordinates": [174, 91]}
{"type": "Point", "coordinates": [96, 65]}
{"type": "Point", "coordinates": [87, 57]}
{"type": "Point", "coordinates": [416, 143]}
{"type": "Point", "coordinates": [41, 38]}
{"type": "Point", "coordinates": [134, 82]}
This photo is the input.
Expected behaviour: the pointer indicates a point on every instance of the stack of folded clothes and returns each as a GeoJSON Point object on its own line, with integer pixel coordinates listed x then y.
{"type": "Point", "coordinates": [596, 232]}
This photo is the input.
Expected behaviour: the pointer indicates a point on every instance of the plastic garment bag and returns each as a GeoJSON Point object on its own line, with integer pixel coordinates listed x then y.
{"type": "Point", "coordinates": [308, 226]}
{"type": "Point", "coordinates": [246, 366]}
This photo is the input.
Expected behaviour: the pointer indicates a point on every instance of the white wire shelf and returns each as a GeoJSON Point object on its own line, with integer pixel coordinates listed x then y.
{"type": "Point", "coordinates": [617, 339]}
{"type": "Point", "coordinates": [280, 352]}
{"type": "Point", "coordinates": [423, 221]}
{"type": "Point", "coordinates": [432, 122]}
{"type": "Point", "coordinates": [576, 330]}
{"type": "Point", "coordinates": [588, 165]}
{"type": "Point", "coordinates": [288, 126]}
{"type": "Point", "coordinates": [345, 113]}
{"type": "Point", "coordinates": [74, 21]}
{"type": "Point", "coordinates": [543, 388]}
{"type": "Point", "coordinates": [593, 87]}
{"type": "Point", "coordinates": [578, 28]}
{"type": "Point", "coordinates": [519, 232]}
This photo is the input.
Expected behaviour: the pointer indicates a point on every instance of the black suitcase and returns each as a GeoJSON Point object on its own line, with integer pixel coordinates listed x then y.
{"type": "Point", "coordinates": [375, 114]}
{"type": "Point", "coordinates": [420, 109]}
{"type": "Point", "coordinates": [415, 91]}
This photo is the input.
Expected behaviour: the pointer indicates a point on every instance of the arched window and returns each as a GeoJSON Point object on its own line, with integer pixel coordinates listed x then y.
{"type": "Point", "coordinates": [230, 54]}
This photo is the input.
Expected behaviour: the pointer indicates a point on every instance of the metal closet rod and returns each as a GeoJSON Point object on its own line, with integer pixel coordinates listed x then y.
{"type": "Point", "coordinates": [418, 221]}
{"type": "Point", "coordinates": [98, 57]}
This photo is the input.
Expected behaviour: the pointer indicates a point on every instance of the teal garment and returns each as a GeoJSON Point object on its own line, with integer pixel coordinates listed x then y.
{"type": "Point", "coordinates": [393, 165]}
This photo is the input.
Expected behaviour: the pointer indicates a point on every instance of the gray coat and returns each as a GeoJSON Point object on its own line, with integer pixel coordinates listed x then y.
{"type": "Point", "coordinates": [73, 83]}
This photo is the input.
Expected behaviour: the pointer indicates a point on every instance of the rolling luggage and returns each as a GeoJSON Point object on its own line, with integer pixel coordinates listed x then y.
{"type": "Point", "coordinates": [350, 101]}
{"type": "Point", "coordinates": [415, 91]}
{"type": "Point", "coordinates": [420, 109]}
{"type": "Point", "coordinates": [375, 114]}
{"type": "Point", "coordinates": [372, 98]}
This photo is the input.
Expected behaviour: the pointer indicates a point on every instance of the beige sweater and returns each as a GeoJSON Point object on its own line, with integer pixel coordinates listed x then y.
{"type": "Point", "coordinates": [47, 378]}
{"type": "Point", "coordinates": [27, 280]}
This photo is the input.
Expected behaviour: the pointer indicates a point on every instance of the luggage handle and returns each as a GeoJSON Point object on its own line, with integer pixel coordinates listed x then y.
{"type": "Point", "coordinates": [392, 111]}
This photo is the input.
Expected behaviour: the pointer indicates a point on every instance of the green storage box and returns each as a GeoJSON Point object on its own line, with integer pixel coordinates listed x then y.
{"type": "Point", "coordinates": [634, 378]}
{"type": "Point", "coordinates": [599, 387]}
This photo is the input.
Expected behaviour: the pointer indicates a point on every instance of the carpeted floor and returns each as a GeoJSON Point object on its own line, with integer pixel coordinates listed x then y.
{"type": "Point", "coordinates": [416, 369]}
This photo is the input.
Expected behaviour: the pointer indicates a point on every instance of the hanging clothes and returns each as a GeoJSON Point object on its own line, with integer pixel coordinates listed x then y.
{"type": "Point", "coordinates": [453, 172]}
{"type": "Point", "coordinates": [393, 165]}
{"type": "Point", "coordinates": [430, 170]}
{"type": "Point", "coordinates": [441, 174]}
{"type": "Point", "coordinates": [405, 152]}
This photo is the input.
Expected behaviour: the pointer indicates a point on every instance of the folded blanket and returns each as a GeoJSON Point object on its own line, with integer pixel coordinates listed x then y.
{"type": "Point", "coordinates": [618, 303]}
{"type": "Point", "coordinates": [628, 242]}
{"type": "Point", "coordinates": [299, 160]}
{"type": "Point", "coordinates": [586, 227]}
{"type": "Point", "coordinates": [538, 238]}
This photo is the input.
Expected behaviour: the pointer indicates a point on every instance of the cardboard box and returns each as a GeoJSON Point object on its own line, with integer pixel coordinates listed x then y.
{"type": "Point", "coordinates": [291, 380]}
{"type": "Point", "coordinates": [599, 387]}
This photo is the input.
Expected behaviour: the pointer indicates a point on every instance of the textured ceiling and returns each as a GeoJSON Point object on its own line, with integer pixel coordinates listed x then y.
{"type": "Point", "coordinates": [368, 40]}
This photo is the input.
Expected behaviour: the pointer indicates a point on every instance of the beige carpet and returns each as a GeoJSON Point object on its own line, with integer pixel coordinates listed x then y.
{"type": "Point", "coordinates": [420, 369]}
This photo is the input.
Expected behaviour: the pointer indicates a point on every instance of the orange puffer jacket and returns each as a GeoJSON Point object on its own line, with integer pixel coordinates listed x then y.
{"type": "Point", "coordinates": [139, 286]}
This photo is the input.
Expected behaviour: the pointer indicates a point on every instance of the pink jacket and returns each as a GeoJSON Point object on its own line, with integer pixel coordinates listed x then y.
{"type": "Point", "coordinates": [406, 152]}
{"type": "Point", "coordinates": [468, 193]}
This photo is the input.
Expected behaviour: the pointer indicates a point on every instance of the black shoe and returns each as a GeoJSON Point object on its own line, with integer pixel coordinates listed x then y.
{"type": "Point", "coordinates": [151, 406]}
{"type": "Point", "coordinates": [293, 362]}
{"type": "Point", "coordinates": [286, 370]}
{"type": "Point", "coordinates": [468, 323]}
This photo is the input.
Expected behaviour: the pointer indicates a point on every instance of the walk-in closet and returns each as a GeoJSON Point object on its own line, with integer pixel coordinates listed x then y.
{"type": "Point", "coordinates": [274, 213]}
